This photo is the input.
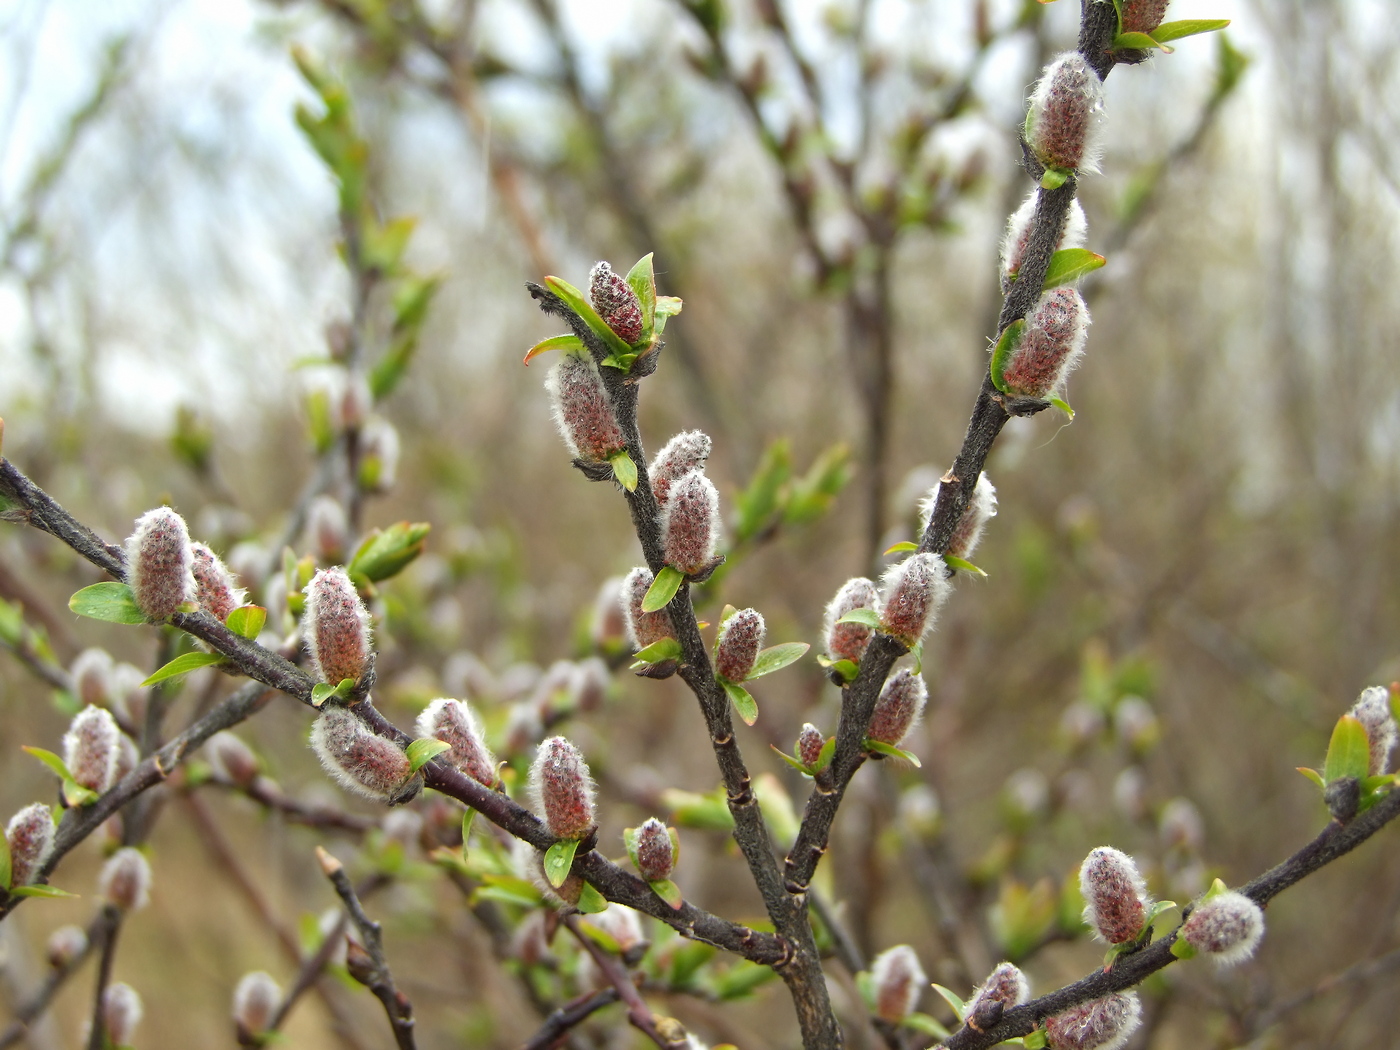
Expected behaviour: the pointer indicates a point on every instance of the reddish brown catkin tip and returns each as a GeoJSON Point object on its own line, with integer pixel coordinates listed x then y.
{"type": "Point", "coordinates": [1051, 344]}
{"type": "Point", "coordinates": [1018, 235]}
{"type": "Point", "coordinates": [255, 1002]}
{"type": "Point", "coordinates": [360, 759]}
{"type": "Point", "coordinates": [582, 410]}
{"type": "Point", "coordinates": [30, 838]}
{"type": "Point", "coordinates": [1227, 926]}
{"type": "Point", "coordinates": [980, 509]}
{"type": "Point", "coordinates": [656, 854]}
{"type": "Point", "coordinates": [897, 710]}
{"type": "Point", "coordinates": [562, 789]}
{"type": "Point", "coordinates": [121, 1013]}
{"type": "Point", "coordinates": [809, 744]}
{"type": "Point", "coordinates": [690, 523]}
{"type": "Point", "coordinates": [1065, 113]}
{"type": "Point", "coordinates": [1143, 16]}
{"type": "Point", "coordinates": [1115, 897]}
{"type": "Point", "coordinates": [617, 304]}
{"type": "Point", "coordinates": [125, 880]}
{"type": "Point", "coordinates": [1100, 1024]}
{"type": "Point", "coordinates": [645, 628]}
{"type": "Point", "coordinates": [158, 564]}
{"type": "Point", "coordinates": [1372, 710]}
{"type": "Point", "coordinates": [214, 588]}
{"type": "Point", "coordinates": [455, 723]}
{"type": "Point", "coordinates": [91, 672]}
{"type": "Point", "coordinates": [685, 452]}
{"type": "Point", "coordinates": [91, 748]}
{"type": "Point", "coordinates": [913, 591]}
{"type": "Point", "coordinates": [336, 627]}
{"type": "Point", "coordinates": [740, 639]}
{"type": "Point", "coordinates": [1006, 985]}
{"type": "Point", "coordinates": [897, 980]}
{"type": "Point", "coordinates": [847, 641]}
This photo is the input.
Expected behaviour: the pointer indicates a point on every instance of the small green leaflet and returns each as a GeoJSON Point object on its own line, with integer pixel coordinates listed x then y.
{"type": "Point", "coordinates": [1168, 31]}
{"type": "Point", "coordinates": [667, 306]}
{"type": "Point", "coordinates": [1054, 178]}
{"type": "Point", "coordinates": [109, 601]}
{"type": "Point", "coordinates": [49, 759]}
{"type": "Point", "coordinates": [1001, 356]}
{"type": "Point", "coordinates": [567, 343]}
{"type": "Point", "coordinates": [1069, 264]}
{"type": "Point", "coordinates": [926, 1024]}
{"type": "Point", "coordinates": [662, 649]}
{"type": "Point", "coordinates": [744, 703]}
{"type": "Point", "coordinates": [890, 751]}
{"type": "Point", "coordinates": [669, 892]}
{"type": "Point", "coordinates": [796, 763]}
{"type": "Point", "coordinates": [866, 617]}
{"type": "Point", "coordinates": [953, 1000]}
{"type": "Point", "coordinates": [182, 665]}
{"type": "Point", "coordinates": [1063, 406]}
{"type": "Point", "coordinates": [847, 669]}
{"type": "Point", "coordinates": [423, 751]}
{"type": "Point", "coordinates": [321, 692]}
{"type": "Point", "coordinates": [558, 859]}
{"type": "Point", "coordinates": [668, 581]}
{"type": "Point", "coordinates": [73, 792]}
{"type": "Point", "coordinates": [385, 552]}
{"type": "Point", "coordinates": [590, 901]}
{"type": "Point", "coordinates": [1182, 950]}
{"type": "Point", "coordinates": [825, 755]}
{"type": "Point", "coordinates": [776, 657]}
{"type": "Point", "coordinates": [574, 299]}
{"type": "Point", "coordinates": [900, 548]}
{"type": "Point", "coordinates": [1135, 41]}
{"type": "Point", "coordinates": [40, 890]}
{"type": "Point", "coordinates": [1349, 753]}
{"type": "Point", "coordinates": [642, 279]}
{"type": "Point", "coordinates": [467, 818]}
{"type": "Point", "coordinates": [624, 471]}
{"type": "Point", "coordinates": [962, 565]}
{"type": "Point", "coordinates": [247, 621]}
{"type": "Point", "coordinates": [7, 873]}
{"type": "Point", "coordinates": [1314, 776]}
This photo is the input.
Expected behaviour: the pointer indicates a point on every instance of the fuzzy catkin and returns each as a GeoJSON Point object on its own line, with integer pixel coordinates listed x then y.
{"type": "Point", "coordinates": [912, 593]}
{"type": "Point", "coordinates": [898, 708]}
{"type": "Point", "coordinates": [121, 1013]}
{"type": "Point", "coordinates": [359, 758]}
{"type": "Point", "coordinates": [1372, 710]}
{"type": "Point", "coordinates": [644, 628]}
{"type": "Point", "coordinates": [91, 748]}
{"type": "Point", "coordinates": [1227, 926]}
{"type": "Point", "coordinates": [615, 302]}
{"type": "Point", "coordinates": [656, 855]}
{"type": "Point", "coordinates": [897, 980]}
{"type": "Point", "coordinates": [562, 789]}
{"type": "Point", "coordinates": [336, 626]}
{"type": "Point", "coordinates": [848, 641]}
{"type": "Point", "coordinates": [1143, 16]}
{"type": "Point", "coordinates": [255, 1002]}
{"type": "Point", "coordinates": [159, 565]}
{"type": "Point", "coordinates": [685, 452]}
{"type": "Point", "coordinates": [1018, 235]}
{"type": "Point", "coordinates": [30, 838]}
{"type": "Point", "coordinates": [690, 524]}
{"type": "Point", "coordinates": [981, 508]}
{"type": "Point", "coordinates": [740, 640]}
{"type": "Point", "coordinates": [809, 744]}
{"type": "Point", "coordinates": [214, 587]}
{"type": "Point", "coordinates": [1051, 344]}
{"type": "Point", "coordinates": [582, 410]}
{"type": "Point", "coordinates": [125, 880]}
{"type": "Point", "coordinates": [456, 723]}
{"type": "Point", "coordinates": [1100, 1024]}
{"type": "Point", "coordinates": [1006, 985]}
{"type": "Point", "coordinates": [1065, 113]}
{"type": "Point", "coordinates": [1115, 896]}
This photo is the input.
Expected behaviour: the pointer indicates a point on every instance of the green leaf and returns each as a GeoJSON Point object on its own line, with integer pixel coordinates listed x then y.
{"type": "Point", "coordinates": [624, 470]}
{"type": "Point", "coordinates": [581, 306]}
{"type": "Point", "coordinates": [558, 859]}
{"type": "Point", "coordinates": [1037, 1040]}
{"type": "Point", "coordinates": [1054, 178]}
{"type": "Point", "coordinates": [953, 1000]}
{"type": "Point", "coordinates": [744, 703]}
{"type": "Point", "coordinates": [567, 343]}
{"type": "Point", "coordinates": [741, 979]}
{"type": "Point", "coordinates": [386, 552]}
{"type": "Point", "coordinates": [825, 755]}
{"type": "Point", "coordinates": [796, 763]}
{"type": "Point", "coordinates": [901, 548]}
{"type": "Point", "coordinates": [7, 873]}
{"type": "Point", "coordinates": [109, 601]}
{"type": "Point", "coordinates": [39, 890]}
{"type": "Point", "coordinates": [1182, 950]}
{"type": "Point", "coordinates": [1230, 64]}
{"type": "Point", "coordinates": [1349, 753]}
{"type": "Point", "coordinates": [1187, 27]}
{"type": "Point", "coordinates": [890, 751]}
{"type": "Point", "coordinates": [383, 244]}
{"type": "Point", "coordinates": [1135, 42]}
{"type": "Point", "coordinates": [590, 901]}
{"type": "Point", "coordinates": [962, 565]}
{"type": "Point", "coordinates": [77, 795]}
{"type": "Point", "coordinates": [467, 818]}
{"type": "Point", "coordinates": [661, 649]}
{"type": "Point", "coordinates": [1068, 265]}
{"type": "Point", "coordinates": [49, 759]}
{"type": "Point", "coordinates": [642, 279]}
{"type": "Point", "coordinates": [927, 1025]}
{"type": "Point", "coordinates": [1063, 406]}
{"type": "Point", "coordinates": [424, 750]}
{"type": "Point", "coordinates": [247, 621]}
{"type": "Point", "coordinates": [320, 693]}
{"type": "Point", "coordinates": [1001, 356]}
{"type": "Point", "coordinates": [776, 657]}
{"type": "Point", "coordinates": [814, 492]}
{"type": "Point", "coordinates": [668, 581]}
{"type": "Point", "coordinates": [847, 669]}
{"type": "Point", "coordinates": [667, 306]}
{"type": "Point", "coordinates": [704, 812]}
{"type": "Point", "coordinates": [669, 892]}
{"type": "Point", "coordinates": [182, 665]}
{"type": "Point", "coordinates": [1314, 776]}
{"type": "Point", "coordinates": [867, 617]}
{"type": "Point", "coordinates": [763, 498]}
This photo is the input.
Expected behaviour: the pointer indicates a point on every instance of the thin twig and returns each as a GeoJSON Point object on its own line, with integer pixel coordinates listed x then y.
{"type": "Point", "coordinates": [38, 1003]}
{"type": "Point", "coordinates": [97, 1034]}
{"type": "Point", "coordinates": [558, 1024]}
{"type": "Point", "coordinates": [639, 1015]}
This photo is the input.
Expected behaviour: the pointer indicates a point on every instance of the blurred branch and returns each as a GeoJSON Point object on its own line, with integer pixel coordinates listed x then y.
{"type": "Point", "coordinates": [97, 1033]}
{"type": "Point", "coordinates": [558, 1024]}
{"type": "Point", "coordinates": [639, 1015]}
{"type": "Point", "coordinates": [35, 1006]}
{"type": "Point", "coordinates": [1350, 978]}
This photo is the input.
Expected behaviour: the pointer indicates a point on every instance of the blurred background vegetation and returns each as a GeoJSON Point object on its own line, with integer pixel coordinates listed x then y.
{"type": "Point", "coordinates": [1186, 586]}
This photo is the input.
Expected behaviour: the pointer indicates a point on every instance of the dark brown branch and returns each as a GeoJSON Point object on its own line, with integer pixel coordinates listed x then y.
{"type": "Point", "coordinates": [558, 1024]}
{"type": "Point", "coordinates": [97, 1033]}
{"type": "Point", "coordinates": [639, 1015]}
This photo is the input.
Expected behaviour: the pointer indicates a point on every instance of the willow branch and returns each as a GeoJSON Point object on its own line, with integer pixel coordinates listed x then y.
{"type": "Point", "coordinates": [35, 1006]}
{"type": "Point", "coordinates": [639, 1015]}
{"type": "Point", "coordinates": [558, 1024]}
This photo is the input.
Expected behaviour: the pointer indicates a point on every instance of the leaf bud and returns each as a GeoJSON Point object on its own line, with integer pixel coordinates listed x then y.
{"type": "Point", "coordinates": [91, 748]}
{"type": "Point", "coordinates": [616, 302]}
{"type": "Point", "coordinates": [809, 744]}
{"type": "Point", "coordinates": [690, 524]}
{"type": "Point", "coordinates": [1179, 825]}
{"type": "Point", "coordinates": [582, 410]}
{"type": "Point", "coordinates": [159, 563]}
{"type": "Point", "coordinates": [455, 722]}
{"type": "Point", "coordinates": [981, 508]}
{"type": "Point", "coordinates": [656, 853]}
{"type": "Point", "coordinates": [685, 452]}
{"type": "Point", "coordinates": [121, 1013]}
{"type": "Point", "coordinates": [562, 789]}
{"type": "Point", "coordinates": [900, 704]}
{"type": "Point", "coordinates": [255, 1002]}
{"type": "Point", "coordinates": [125, 880]}
{"type": "Point", "coordinates": [740, 639]}
{"type": "Point", "coordinates": [214, 587]}
{"type": "Point", "coordinates": [897, 979]}
{"type": "Point", "coordinates": [379, 455]}
{"type": "Point", "coordinates": [1143, 16]}
{"type": "Point", "coordinates": [1115, 896]}
{"type": "Point", "coordinates": [1050, 345]}
{"type": "Point", "coordinates": [1100, 1024]}
{"type": "Point", "coordinates": [1372, 709]}
{"type": "Point", "coordinates": [847, 641]}
{"type": "Point", "coordinates": [1005, 986]}
{"type": "Point", "coordinates": [1228, 926]}
{"type": "Point", "coordinates": [360, 759]}
{"type": "Point", "coordinates": [1065, 112]}
{"type": "Point", "coordinates": [913, 591]}
{"type": "Point", "coordinates": [336, 626]}
{"type": "Point", "coordinates": [129, 697]}
{"type": "Point", "coordinates": [1018, 235]}
{"type": "Point", "coordinates": [65, 945]}
{"type": "Point", "coordinates": [588, 685]}
{"type": "Point", "coordinates": [327, 529]}
{"type": "Point", "coordinates": [92, 677]}
{"type": "Point", "coordinates": [30, 838]}
{"type": "Point", "coordinates": [231, 759]}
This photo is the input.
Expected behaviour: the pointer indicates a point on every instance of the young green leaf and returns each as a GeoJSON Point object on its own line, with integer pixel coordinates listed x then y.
{"type": "Point", "coordinates": [1006, 346]}
{"type": "Point", "coordinates": [1068, 265]}
{"type": "Point", "coordinates": [247, 621]}
{"type": "Point", "coordinates": [1054, 178]}
{"type": "Point", "coordinates": [1349, 753]}
{"type": "Point", "coordinates": [1135, 42]}
{"type": "Point", "coordinates": [424, 750]}
{"type": "Point", "coordinates": [7, 874]}
{"type": "Point", "coordinates": [386, 552]}
{"type": "Point", "coordinates": [744, 703]}
{"type": "Point", "coordinates": [796, 763]}
{"type": "Point", "coordinates": [642, 279]}
{"type": "Point", "coordinates": [1182, 949]}
{"type": "Point", "coordinates": [576, 302]}
{"type": "Point", "coordinates": [1187, 27]}
{"type": "Point", "coordinates": [467, 818]}
{"type": "Point", "coordinates": [890, 751]}
{"type": "Point", "coordinates": [962, 565]}
{"type": "Point", "coordinates": [927, 1025]}
{"type": "Point", "coordinates": [900, 548]}
{"type": "Point", "coordinates": [1037, 1040]}
{"type": "Point", "coordinates": [669, 892]}
{"type": "Point", "coordinates": [667, 306]}
{"type": "Point", "coordinates": [1314, 776]}
{"type": "Point", "coordinates": [847, 669]}
{"type": "Point", "coordinates": [591, 902]}
{"type": "Point", "coordinates": [41, 891]}
{"type": "Point", "coordinates": [668, 581]}
{"type": "Point", "coordinates": [183, 665]}
{"type": "Point", "coordinates": [866, 617]}
{"type": "Point", "coordinates": [624, 471]}
{"type": "Point", "coordinates": [1063, 406]}
{"type": "Point", "coordinates": [109, 601]}
{"type": "Point", "coordinates": [49, 759]}
{"type": "Point", "coordinates": [320, 693]}
{"type": "Point", "coordinates": [659, 650]}
{"type": "Point", "coordinates": [825, 755]}
{"type": "Point", "coordinates": [953, 1000]}
{"type": "Point", "coordinates": [558, 859]}
{"type": "Point", "coordinates": [570, 343]}
{"type": "Point", "coordinates": [75, 795]}
{"type": "Point", "coordinates": [776, 657]}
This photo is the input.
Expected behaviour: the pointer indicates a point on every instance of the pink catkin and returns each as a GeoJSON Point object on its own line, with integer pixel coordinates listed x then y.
{"type": "Point", "coordinates": [562, 789]}
{"type": "Point", "coordinates": [1051, 344]}
{"type": "Point", "coordinates": [740, 639]}
{"type": "Point", "coordinates": [455, 723]}
{"type": "Point", "coordinates": [690, 523]}
{"type": "Point", "coordinates": [91, 748]}
{"type": "Point", "coordinates": [582, 410]}
{"type": "Point", "coordinates": [232, 759]}
{"type": "Point", "coordinates": [913, 592]}
{"type": "Point", "coordinates": [255, 1002]}
{"type": "Point", "coordinates": [1227, 926]}
{"type": "Point", "coordinates": [92, 676]}
{"type": "Point", "coordinates": [645, 628]}
{"type": "Point", "coordinates": [30, 838]}
{"type": "Point", "coordinates": [336, 626]}
{"type": "Point", "coordinates": [1143, 16]}
{"type": "Point", "coordinates": [809, 744]}
{"type": "Point", "coordinates": [1100, 1024]}
{"type": "Point", "coordinates": [898, 980]}
{"type": "Point", "coordinates": [1018, 235]}
{"type": "Point", "coordinates": [656, 855]}
{"type": "Point", "coordinates": [685, 452]}
{"type": "Point", "coordinates": [615, 301]}
{"type": "Point", "coordinates": [121, 1013]}
{"type": "Point", "coordinates": [214, 588]}
{"type": "Point", "coordinates": [847, 641]}
{"type": "Point", "coordinates": [1006, 985]}
{"type": "Point", "coordinates": [1064, 114]}
{"type": "Point", "coordinates": [1115, 896]}
{"type": "Point", "coordinates": [159, 564]}
{"type": "Point", "coordinates": [901, 702]}
{"type": "Point", "coordinates": [1372, 710]}
{"type": "Point", "coordinates": [125, 879]}
{"type": "Point", "coordinates": [360, 759]}
{"type": "Point", "coordinates": [980, 509]}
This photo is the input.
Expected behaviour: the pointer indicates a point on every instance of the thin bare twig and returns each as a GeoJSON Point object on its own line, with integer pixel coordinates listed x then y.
{"type": "Point", "coordinates": [639, 1015]}
{"type": "Point", "coordinates": [38, 1003]}
{"type": "Point", "coordinates": [558, 1024]}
